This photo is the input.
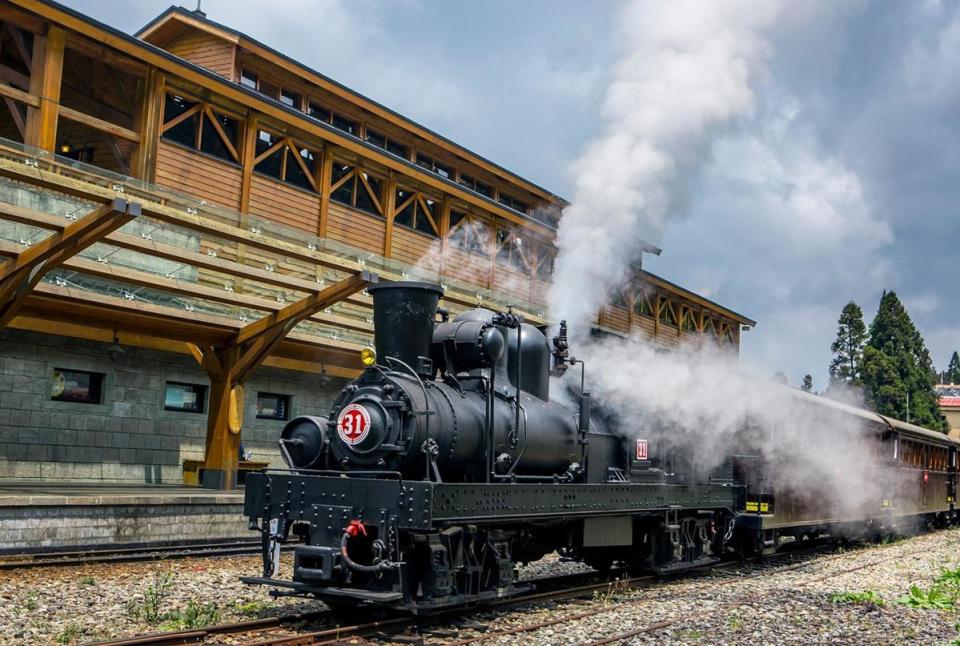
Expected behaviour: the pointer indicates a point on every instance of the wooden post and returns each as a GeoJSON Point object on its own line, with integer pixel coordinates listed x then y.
{"type": "Point", "coordinates": [389, 206]}
{"type": "Point", "coordinates": [444, 234]}
{"type": "Point", "coordinates": [326, 180]}
{"type": "Point", "coordinates": [248, 153]}
{"type": "Point", "coordinates": [148, 122]}
{"type": "Point", "coordinates": [45, 77]}
{"type": "Point", "coordinates": [229, 367]}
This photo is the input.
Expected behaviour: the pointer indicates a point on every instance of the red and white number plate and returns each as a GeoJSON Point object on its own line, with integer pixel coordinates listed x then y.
{"type": "Point", "coordinates": [641, 449]}
{"type": "Point", "coordinates": [353, 424]}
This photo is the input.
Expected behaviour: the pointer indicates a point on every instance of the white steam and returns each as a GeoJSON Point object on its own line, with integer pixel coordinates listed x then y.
{"type": "Point", "coordinates": [684, 78]}
{"type": "Point", "coordinates": [696, 411]}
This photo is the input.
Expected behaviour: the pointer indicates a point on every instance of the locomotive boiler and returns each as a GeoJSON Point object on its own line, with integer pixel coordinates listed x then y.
{"type": "Point", "coordinates": [465, 400]}
{"type": "Point", "coordinates": [447, 462]}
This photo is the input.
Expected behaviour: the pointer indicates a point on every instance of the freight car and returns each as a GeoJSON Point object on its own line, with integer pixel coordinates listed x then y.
{"type": "Point", "coordinates": [447, 463]}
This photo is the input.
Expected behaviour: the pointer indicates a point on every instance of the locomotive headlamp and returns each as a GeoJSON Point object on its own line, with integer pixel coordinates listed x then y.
{"type": "Point", "coordinates": [368, 356]}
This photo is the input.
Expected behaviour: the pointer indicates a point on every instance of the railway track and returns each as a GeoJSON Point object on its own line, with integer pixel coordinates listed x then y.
{"type": "Point", "coordinates": [322, 627]}
{"type": "Point", "coordinates": [130, 554]}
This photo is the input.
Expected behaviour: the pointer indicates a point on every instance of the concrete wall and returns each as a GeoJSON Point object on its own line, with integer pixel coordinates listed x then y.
{"type": "Point", "coordinates": [129, 437]}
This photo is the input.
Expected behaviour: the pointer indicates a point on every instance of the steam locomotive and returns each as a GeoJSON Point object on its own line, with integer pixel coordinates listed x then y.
{"type": "Point", "coordinates": [449, 461]}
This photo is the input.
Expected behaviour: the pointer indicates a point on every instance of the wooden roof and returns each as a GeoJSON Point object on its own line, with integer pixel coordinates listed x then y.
{"type": "Point", "coordinates": [174, 20]}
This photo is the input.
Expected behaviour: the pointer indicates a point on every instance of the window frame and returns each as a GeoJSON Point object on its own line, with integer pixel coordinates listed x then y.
{"type": "Point", "coordinates": [95, 394]}
{"type": "Point", "coordinates": [287, 403]}
{"type": "Point", "coordinates": [203, 391]}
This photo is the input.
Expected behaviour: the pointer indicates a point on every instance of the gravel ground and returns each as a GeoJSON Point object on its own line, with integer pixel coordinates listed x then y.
{"type": "Point", "coordinates": [76, 604]}
{"type": "Point", "coordinates": [781, 602]}
{"type": "Point", "coordinates": [776, 603]}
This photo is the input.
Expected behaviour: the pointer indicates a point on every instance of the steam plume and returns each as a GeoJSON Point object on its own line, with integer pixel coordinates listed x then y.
{"type": "Point", "coordinates": [684, 78]}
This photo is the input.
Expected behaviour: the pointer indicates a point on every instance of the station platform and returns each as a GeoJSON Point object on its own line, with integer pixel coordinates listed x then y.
{"type": "Point", "coordinates": [44, 516]}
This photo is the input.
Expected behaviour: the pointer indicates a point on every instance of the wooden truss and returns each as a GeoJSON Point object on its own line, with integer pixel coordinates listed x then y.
{"type": "Point", "coordinates": [230, 365]}
{"type": "Point", "coordinates": [20, 275]}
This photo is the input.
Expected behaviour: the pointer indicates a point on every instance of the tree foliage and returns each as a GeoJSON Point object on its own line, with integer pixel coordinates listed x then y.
{"type": "Point", "coordinates": [952, 374]}
{"type": "Point", "coordinates": [896, 369]}
{"type": "Point", "coordinates": [846, 366]}
{"type": "Point", "coordinates": [807, 385]}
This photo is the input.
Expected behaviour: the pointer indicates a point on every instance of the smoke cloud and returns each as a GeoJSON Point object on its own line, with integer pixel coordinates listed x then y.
{"type": "Point", "coordinates": [684, 79]}
{"type": "Point", "coordinates": [697, 412]}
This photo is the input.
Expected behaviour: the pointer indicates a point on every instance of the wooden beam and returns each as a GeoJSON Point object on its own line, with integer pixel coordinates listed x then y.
{"type": "Point", "coordinates": [20, 275]}
{"type": "Point", "coordinates": [148, 123]}
{"type": "Point", "coordinates": [45, 80]}
{"type": "Point", "coordinates": [11, 92]}
{"type": "Point", "coordinates": [13, 76]}
{"type": "Point", "coordinates": [99, 124]}
{"type": "Point", "coordinates": [14, 110]}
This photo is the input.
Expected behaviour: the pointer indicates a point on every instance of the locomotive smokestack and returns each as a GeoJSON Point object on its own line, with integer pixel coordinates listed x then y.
{"type": "Point", "coordinates": [403, 320]}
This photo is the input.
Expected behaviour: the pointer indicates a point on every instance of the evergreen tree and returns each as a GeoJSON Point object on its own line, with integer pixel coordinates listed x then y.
{"type": "Point", "coordinates": [897, 371]}
{"type": "Point", "coordinates": [807, 385]}
{"type": "Point", "coordinates": [848, 347]}
{"type": "Point", "coordinates": [952, 375]}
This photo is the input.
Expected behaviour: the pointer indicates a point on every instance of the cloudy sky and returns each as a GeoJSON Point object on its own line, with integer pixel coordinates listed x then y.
{"type": "Point", "coordinates": [830, 175]}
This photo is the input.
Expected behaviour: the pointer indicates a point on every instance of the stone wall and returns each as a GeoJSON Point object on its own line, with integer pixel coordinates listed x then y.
{"type": "Point", "coordinates": [129, 437]}
{"type": "Point", "coordinates": [32, 527]}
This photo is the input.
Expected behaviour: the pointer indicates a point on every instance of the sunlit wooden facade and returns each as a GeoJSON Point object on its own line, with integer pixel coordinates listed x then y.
{"type": "Point", "coordinates": [253, 195]}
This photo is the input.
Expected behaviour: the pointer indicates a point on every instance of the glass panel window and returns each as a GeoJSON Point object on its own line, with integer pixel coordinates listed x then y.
{"type": "Point", "coordinates": [212, 143]}
{"type": "Point", "coordinates": [78, 386]}
{"type": "Point", "coordinates": [269, 89]}
{"type": "Point", "coordinates": [376, 139]}
{"type": "Point", "coordinates": [342, 123]}
{"type": "Point", "coordinates": [290, 98]}
{"type": "Point", "coordinates": [398, 149]}
{"type": "Point", "coordinates": [319, 112]}
{"type": "Point", "coordinates": [190, 398]}
{"type": "Point", "coordinates": [185, 132]}
{"type": "Point", "coordinates": [270, 406]}
{"type": "Point", "coordinates": [248, 79]}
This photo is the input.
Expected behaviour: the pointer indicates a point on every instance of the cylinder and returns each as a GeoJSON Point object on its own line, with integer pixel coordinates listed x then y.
{"type": "Point", "coordinates": [403, 319]}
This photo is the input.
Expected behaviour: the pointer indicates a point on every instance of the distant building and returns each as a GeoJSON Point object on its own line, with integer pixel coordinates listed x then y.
{"type": "Point", "coordinates": [950, 406]}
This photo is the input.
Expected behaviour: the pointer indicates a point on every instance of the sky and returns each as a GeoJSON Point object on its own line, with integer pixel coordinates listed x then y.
{"type": "Point", "coordinates": [837, 177]}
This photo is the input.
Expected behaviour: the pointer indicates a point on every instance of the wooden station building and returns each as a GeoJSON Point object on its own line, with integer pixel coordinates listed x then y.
{"type": "Point", "coordinates": [188, 219]}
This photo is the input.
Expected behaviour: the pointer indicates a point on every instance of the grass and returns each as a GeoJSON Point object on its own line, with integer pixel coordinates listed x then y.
{"type": "Point", "coordinates": [614, 589]}
{"type": "Point", "coordinates": [31, 602]}
{"type": "Point", "coordinates": [735, 623]}
{"type": "Point", "coordinates": [69, 634]}
{"type": "Point", "coordinates": [250, 607]}
{"type": "Point", "coordinates": [864, 597]}
{"type": "Point", "coordinates": [88, 580]}
{"type": "Point", "coordinates": [195, 615]}
{"type": "Point", "coordinates": [944, 594]}
{"type": "Point", "coordinates": [151, 608]}
{"type": "Point", "coordinates": [936, 598]}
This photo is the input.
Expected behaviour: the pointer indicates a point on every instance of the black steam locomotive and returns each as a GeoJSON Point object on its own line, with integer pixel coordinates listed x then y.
{"type": "Point", "coordinates": [447, 463]}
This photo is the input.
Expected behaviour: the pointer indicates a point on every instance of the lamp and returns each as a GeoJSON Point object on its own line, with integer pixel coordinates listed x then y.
{"type": "Point", "coordinates": [324, 378]}
{"type": "Point", "coordinates": [115, 351]}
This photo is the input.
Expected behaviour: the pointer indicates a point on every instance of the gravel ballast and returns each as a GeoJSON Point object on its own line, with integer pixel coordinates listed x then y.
{"type": "Point", "coordinates": [786, 601]}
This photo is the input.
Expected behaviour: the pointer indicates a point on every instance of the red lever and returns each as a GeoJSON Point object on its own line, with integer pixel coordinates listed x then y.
{"type": "Point", "coordinates": [355, 528]}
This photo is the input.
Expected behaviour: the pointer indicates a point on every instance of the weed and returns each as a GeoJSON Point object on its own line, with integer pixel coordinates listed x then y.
{"type": "Point", "coordinates": [249, 607]}
{"type": "Point", "coordinates": [31, 602]}
{"type": "Point", "coordinates": [69, 634]}
{"type": "Point", "coordinates": [950, 578]}
{"type": "Point", "coordinates": [88, 580]}
{"type": "Point", "coordinates": [615, 588]}
{"type": "Point", "coordinates": [150, 609]}
{"type": "Point", "coordinates": [934, 598]}
{"type": "Point", "coordinates": [865, 597]}
{"type": "Point", "coordinates": [735, 623]}
{"type": "Point", "coordinates": [195, 615]}
{"type": "Point", "coordinates": [694, 634]}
